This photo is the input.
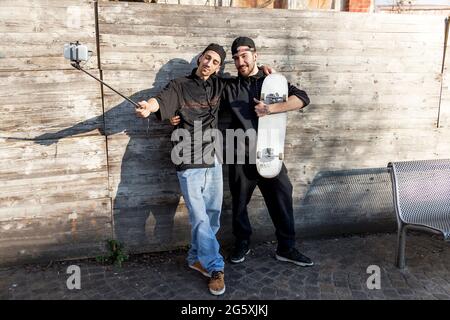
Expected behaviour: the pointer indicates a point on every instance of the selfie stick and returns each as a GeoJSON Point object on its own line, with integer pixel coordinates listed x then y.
{"type": "Point", "coordinates": [76, 65]}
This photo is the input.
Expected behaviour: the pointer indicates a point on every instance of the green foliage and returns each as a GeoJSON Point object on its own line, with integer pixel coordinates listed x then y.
{"type": "Point", "coordinates": [116, 254]}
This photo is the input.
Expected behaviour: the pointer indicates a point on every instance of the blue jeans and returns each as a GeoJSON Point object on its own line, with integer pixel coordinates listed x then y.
{"type": "Point", "coordinates": [202, 191]}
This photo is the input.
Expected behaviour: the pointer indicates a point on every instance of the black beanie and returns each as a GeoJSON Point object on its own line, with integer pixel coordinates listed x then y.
{"type": "Point", "coordinates": [242, 41]}
{"type": "Point", "coordinates": [217, 49]}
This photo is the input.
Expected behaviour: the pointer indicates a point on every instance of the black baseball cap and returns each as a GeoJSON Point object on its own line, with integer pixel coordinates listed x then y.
{"type": "Point", "coordinates": [217, 48]}
{"type": "Point", "coordinates": [242, 41]}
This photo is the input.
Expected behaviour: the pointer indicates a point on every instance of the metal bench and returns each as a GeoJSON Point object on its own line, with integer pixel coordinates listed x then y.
{"type": "Point", "coordinates": [421, 191]}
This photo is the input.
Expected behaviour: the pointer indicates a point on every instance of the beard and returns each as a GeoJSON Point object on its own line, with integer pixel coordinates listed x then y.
{"type": "Point", "coordinates": [246, 69]}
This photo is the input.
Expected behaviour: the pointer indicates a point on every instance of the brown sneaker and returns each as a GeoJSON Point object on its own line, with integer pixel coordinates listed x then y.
{"type": "Point", "coordinates": [217, 283]}
{"type": "Point", "coordinates": [198, 266]}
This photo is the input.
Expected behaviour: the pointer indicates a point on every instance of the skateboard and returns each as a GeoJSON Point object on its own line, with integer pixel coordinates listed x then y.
{"type": "Point", "coordinates": [271, 128]}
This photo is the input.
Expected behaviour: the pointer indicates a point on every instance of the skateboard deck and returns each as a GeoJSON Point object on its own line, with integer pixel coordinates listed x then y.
{"type": "Point", "coordinates": [271, 128]}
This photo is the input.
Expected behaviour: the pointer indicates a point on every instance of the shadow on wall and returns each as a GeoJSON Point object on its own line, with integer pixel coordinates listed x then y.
{"type": "Point", "coordinates": [147, 196]}
{"type": "Point", "coordinates": [346, 202]}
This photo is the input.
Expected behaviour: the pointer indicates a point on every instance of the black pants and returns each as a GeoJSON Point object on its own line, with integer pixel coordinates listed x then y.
{"type": "Point", "coordinates": [277, 193]}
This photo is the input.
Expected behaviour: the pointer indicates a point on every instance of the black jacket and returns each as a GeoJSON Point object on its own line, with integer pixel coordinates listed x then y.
{"type": "Point", "coordinates": [239, 94]}
{"type": "Point", "coordinates": [238, 98]}
{"type": "Point", "coordinates": [193, 99]}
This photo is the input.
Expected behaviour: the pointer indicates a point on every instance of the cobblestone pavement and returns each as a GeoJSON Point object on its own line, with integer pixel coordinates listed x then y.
{"type": "Point", "coordinates": [340, 272]}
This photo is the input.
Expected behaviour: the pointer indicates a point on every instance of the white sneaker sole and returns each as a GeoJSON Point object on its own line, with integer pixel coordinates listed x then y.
{"type": "Point", "coordinates": [302, 264]}
{"type": "Point", "coordinates": [202, 272]}
{"type": "Point", "coordinates": [217, 293]}
{"type": "Point", "coordinates": [242, 259]}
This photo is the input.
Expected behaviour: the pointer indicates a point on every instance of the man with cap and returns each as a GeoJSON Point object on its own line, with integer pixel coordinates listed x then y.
{"type": "Point", "coordinates": [196, 98]}
{"type": "Point", "coordinates": [242, 96]}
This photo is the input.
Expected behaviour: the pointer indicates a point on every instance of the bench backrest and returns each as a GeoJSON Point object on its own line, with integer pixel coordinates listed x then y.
{"type": "Point", "coordinates": [422, 190]}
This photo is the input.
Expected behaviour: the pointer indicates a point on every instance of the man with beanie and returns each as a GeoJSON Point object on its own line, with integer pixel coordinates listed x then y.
{"type": "Point", "coordinates": [242, 97]}
{"type": "Point", "coordinates": [196, 99]}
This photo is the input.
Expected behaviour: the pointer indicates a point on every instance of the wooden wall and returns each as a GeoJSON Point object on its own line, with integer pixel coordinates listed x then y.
{"type": "Point", "coordinates": [90, 171]}
{"type": "Point", "coordinates": [54, 197]}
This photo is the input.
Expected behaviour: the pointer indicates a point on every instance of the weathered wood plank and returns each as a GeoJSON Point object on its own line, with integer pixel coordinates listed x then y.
{"type": "Point", "coordinates": [374, 97]}
{"type": "Point", "coordinates": [55, 103]}
{"type": "Point", "coordinates": [119, 40]}
{"type": "Point", "coordinates": [341, 120]}
{"type": "Point", "coordinates": [54, 199]}
{"type": "Point", "coordinates": [148, 31]}
{"type": "Point", "coordinates": [153, 61]}
{"type": "Point", "coordinates": [46, 172]}
{"type": "Point", "coordinates": [62, 230]}
{"type": "Point", "coordinates": [365, 150]}
{"type": "Point", "coordinates": [444, 116]}
{"type": "Point", "coordinates": [54, 195]}
{"type": "Point", "coordinates": [142, 84]}
{"type": "Point", "coordinates": [444, 110]}
{"type": "Point", "coordinates": [304, 52]}
{"type": "Point", "coordinates": [34, 33]}
{"type": "Point", "coordinates": [231, 18]}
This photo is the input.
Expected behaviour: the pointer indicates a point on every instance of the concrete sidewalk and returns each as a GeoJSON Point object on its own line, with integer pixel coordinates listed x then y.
{"type": "Point", "coordinates": [340, 273]}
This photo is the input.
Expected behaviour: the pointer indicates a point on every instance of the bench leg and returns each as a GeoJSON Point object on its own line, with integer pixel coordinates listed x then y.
{"type": "Point", "coordinates": [401, 239]}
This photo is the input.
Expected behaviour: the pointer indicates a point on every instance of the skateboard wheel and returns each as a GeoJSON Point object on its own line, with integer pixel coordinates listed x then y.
{"type": "Point", "coordinates": [281, 156]}
{"type": "Point", "coordinates": [258, 155]}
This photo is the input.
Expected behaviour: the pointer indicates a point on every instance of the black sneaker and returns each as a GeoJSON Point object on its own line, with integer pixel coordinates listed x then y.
{"type": "Point", "coordinates": [240, 250]}
{"type": "Point", "coordinates": [295, 257]}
